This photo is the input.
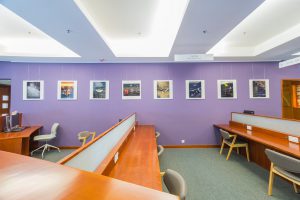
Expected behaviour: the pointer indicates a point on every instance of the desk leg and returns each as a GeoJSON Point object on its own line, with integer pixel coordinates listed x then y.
{"type": "Point", "coordinates": [33, 144]}
{"type": "Point", "coordinates": [25, 146]}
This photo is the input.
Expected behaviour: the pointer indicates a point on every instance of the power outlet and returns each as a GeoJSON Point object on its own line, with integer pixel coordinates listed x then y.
{"type": "Point", "coordinates": [182, 141]}
{"type": "Point", "coordinates": [116, 157]}
{"type": "Point", "coordinates": [249, 128]}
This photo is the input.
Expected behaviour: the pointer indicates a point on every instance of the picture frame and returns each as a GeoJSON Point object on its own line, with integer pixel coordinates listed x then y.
{"type": "Point", "coordinates": [227, 89]}
{"type": "Point", "coordinates": [195, 89]}
{"type": "Point", "coordinates": [131, 89]}
{"type": "Point", "coordinates": [99, 90]}
{"type": "Point", "coordinates": [33, 90]}
{"type": "Point", "coordinates": [67, 90]}
{"type": "Point", "coordinates": [163, 89]}
{"type": "Point", "coordinates": [259, 89]}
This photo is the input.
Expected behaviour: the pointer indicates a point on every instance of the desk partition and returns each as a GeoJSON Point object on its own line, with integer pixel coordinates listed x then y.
{"type": "Point", "coordinates": [290, 127]}
{"type": "Point", "coordinates": [91, 155]}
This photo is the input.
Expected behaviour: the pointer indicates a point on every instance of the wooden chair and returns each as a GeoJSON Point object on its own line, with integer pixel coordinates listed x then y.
{"type": "Point", "coordinates": [160, 150]}
{"type": "Point", "coordinates": [175, 183]}
{"type": "Point", "coordinates": [285, 166]}
{"type": "Point", "coordinates": [157, 134]}
{"type": "Point", "coordinates": [233, 142]}
{"type": "Point", "coordinates": [84, 135]}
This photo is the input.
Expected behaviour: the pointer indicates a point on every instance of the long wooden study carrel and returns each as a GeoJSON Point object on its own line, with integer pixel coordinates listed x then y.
{"type": "Point", "coordinates": [267, 132]}
{"type": "Point", "coordinates": [73, 181]}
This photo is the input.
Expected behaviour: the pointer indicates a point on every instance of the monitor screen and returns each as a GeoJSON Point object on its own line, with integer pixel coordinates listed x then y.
{"type": "Point", "coordinates": [14, 120]}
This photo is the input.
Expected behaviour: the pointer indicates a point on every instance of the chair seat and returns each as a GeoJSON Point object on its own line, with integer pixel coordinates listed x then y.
{"type": "Point", "coordinates": [294, 176]}
{"type": "Point", "coordinates": [237, 141]}
{"type": "Point", "coordinates": [43, 137]}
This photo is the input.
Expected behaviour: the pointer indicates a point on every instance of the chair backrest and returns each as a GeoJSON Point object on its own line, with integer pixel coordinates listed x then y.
{"type": "Point", "coordinates": [83, 134]}
{"type": "Point", "coordinates": [175, 183]}
{"type": "Point", "coordinates": [283, 161]}
{"type": "Point", "coordinates": [225, 134]}
{"type": "Point", "coordinates": [157, 134]}
{"type": "Point", "coordinates": [160, 150]}
{"type": "Point", "coordinates": [54, 129]}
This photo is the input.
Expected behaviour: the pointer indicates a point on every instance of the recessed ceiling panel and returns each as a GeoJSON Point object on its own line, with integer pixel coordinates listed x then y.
{"type": "Point", "coordinates": [20, 38]}
{"type": "Point", "coordinates": [273, 23]}
{"type": "Point", "coordinates": [135, 28]}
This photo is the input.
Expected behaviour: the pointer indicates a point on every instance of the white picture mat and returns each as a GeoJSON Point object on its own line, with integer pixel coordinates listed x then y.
{"type": "Point", "coordinates": [284, 126]}
{"type": "Point", "coordinates": [131, 82]}
{"type": "Point", "coordinates": [251, 88]}
{"type": "Point", "coordinates": [59, 90]}
{"type": "Point", "coordinates": [187, 87]}
{"type": "Point", "coordinates": [170, 88]}
{"type": "Point", "coordinates": [106, 90]}
{"type": "Point", "coordinates": [219, 82]}
{"type": "Point", "coordinates": [25, 90]}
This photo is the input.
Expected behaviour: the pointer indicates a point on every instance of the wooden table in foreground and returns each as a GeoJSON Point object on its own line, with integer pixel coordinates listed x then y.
{"type": "Point", "coordinates": [138, 161]}
{"type": "Point", "coordinates": [23, 177]}
{"type": "Point", "coordinates": [260, 140]}
{"type": "Point", "coordinates": [18, 142]}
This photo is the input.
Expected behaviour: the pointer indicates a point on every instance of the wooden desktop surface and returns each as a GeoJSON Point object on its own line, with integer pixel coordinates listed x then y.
{"type": "Point", "coordinates": [138, 162]}
{"type": "Point", "coordinates": [19, 142]}
{"type": "Point", "coordinates": [20, 134]}
{"type": "Point", "coordinates": [264, 138]}
{"type": "Point", "coordinates": [22, 177]}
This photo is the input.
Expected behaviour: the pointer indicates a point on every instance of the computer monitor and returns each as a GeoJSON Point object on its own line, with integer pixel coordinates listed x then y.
{"type": "Point", "coordinates": [250, 112]}
{"type": "Point", "coordinates": [14, 121]}
{"type": "Point", "coordinates": [5, 123]}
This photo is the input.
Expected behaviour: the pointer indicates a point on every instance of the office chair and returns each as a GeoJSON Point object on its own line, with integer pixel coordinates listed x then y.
{"type": "Point", "coordinates": [46, 138]}
{"type": "Point", "coordinates": [285, 166]}
{"type": "Point", "coordinates": [157, 134]}
{"type": "Point", "coordinates": [233, 142]}
{"type": "Point", "coordinates": [160, 150]}
{"type": "Point", "coordinates": [175, 183]}
{"type": "Point", "coordinates": [84, 135]}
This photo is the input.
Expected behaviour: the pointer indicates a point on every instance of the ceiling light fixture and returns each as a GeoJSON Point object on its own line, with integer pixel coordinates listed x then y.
{"type": "Point", "coordinates": [272, 24]}
{"type": "Point", "coordinates": [163, 21]}
{"type": "Point", "coordinates": [16, 40]}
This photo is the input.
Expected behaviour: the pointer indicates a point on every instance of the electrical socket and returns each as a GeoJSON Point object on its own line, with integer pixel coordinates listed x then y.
{"type": "Point", "coordinates": [116, 157]}
{"type": "Point", "coordinates": [182, 141]}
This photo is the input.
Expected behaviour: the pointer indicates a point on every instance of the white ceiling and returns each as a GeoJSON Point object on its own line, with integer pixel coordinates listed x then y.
{"type": "Point", "coordinates": [205, 23]}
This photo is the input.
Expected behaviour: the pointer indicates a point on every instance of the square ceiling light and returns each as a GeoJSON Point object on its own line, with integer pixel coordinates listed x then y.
{"type": "Point", "coordinates": [135, 28]}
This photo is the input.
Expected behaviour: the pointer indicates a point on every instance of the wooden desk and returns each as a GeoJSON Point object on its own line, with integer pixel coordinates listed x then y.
{"type": "Point", "coordinates": [22, 177]}
{"type": "Point", "coordinates": [18, 142]}
{"type": "Point", "coordinates": [260, 140]}
{"type": "Point", "coordinates": [138, 161]}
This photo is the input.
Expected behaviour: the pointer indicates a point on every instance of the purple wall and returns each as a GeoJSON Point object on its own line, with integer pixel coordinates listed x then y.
{"type": "Point", "coordinates": [176, 119]}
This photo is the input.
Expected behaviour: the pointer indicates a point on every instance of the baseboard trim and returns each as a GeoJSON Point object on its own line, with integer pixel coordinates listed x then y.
{"type": "Point", "coordinates": [193, 146]}
{"type": "Point", "coordinates": [69, 147]}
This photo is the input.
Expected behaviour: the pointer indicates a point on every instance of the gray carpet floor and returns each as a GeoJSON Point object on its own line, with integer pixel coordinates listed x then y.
{"type": "Point", "coordinates": [210, 177]}
{"type": "Point", "coordinates": [53, 155]}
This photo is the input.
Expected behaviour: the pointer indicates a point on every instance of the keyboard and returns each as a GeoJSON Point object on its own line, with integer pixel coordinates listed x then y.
{"type": "Point", "coordinates": [18, 129]}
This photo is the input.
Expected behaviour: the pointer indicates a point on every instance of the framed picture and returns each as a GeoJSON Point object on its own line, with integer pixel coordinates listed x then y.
{"type": "Point", "coordinates": [99, 90]}
{"type": "Point", "coordinates": [163, 89]}
{"type": "Point", "coordinates": [227, 89]}
{"type": "Point", "coordinates": [259, 88]}
{"type": "Point", "coordinates": [67, 90]}
{"type": "Point", "coordinates": [33, 90]}
{"type": "Point", "coordinates": [131, 90]}
{"type": "Point", "coordinates": [195, 89]}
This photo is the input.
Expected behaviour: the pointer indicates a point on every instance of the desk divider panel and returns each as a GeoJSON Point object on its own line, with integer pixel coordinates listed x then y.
{"type": "Point", "coordinates": [92, 156]}
{"type": "Point", "coordinates": [290, 127]}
